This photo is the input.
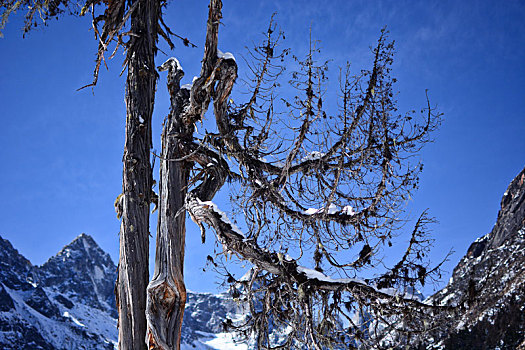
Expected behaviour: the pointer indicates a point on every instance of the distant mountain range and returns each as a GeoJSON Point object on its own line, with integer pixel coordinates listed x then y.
{"type": "Point", "coordinates": [68, 302]}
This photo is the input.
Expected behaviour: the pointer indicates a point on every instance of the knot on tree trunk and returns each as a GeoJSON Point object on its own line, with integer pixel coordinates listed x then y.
{"type": "Point", "coordinates": [164, 310]}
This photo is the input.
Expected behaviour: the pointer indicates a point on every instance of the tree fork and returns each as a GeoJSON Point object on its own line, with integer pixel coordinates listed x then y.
{"type": "Point", "coordinates": [166, 293]}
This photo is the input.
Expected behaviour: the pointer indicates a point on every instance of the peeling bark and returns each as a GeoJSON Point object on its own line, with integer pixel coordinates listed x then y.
{"type": "Point", "coordinates": [132, 280]}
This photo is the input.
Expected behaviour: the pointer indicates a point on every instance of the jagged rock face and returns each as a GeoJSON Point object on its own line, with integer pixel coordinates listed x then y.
{"type": "Point", "coordinates": [63, 304]}
{"type": "Point", "coordinates": [511, 216]}
{"type": "Point", "coordinates": [16, 272]}
{"type": "Point", "coordinates": [6, 302]}
{"type": "Point", "coordinates": [488, 284]}
{"type": "Point", "coordinates": [83, 272]}
{"type": "Point", "coordinates": [40, 302]}
{"type": "Point", "coordinates": [17, 333]}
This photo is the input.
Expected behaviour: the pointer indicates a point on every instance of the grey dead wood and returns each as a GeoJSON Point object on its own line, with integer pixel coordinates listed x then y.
{"type": "Point", "coordinates": [137, 180]}
{"type": "Point", "coordinates": [166, 293]}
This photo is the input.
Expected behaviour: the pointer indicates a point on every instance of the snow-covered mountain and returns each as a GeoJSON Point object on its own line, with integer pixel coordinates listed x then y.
{"type": "Point", "coordinates": [68, 303]}
{"type": "Point", "coordinates": [488, 284]}
{"type": "Point", "coordinates": [83, 273]}
{"type": "Point", "coordinates": [204, 316]}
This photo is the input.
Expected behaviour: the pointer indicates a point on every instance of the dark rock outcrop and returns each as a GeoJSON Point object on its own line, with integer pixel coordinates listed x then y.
{"type": "Point", "coordinates": [6, 302]}
{"type": "Point", "coordinates": [488, 285]}
{"type": "Point", "coordinates": [16, 272]}
{"type": "Point", "coordinates": [83, 272]}
{"type": "Point", "coordinates": [40, 302]}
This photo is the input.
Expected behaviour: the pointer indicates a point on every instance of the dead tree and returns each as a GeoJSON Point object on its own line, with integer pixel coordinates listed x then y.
{"type": "Point", "coordinates": [137, 178]}
{"type": "Point", "coordinates": [139, 41]}
{"type": "Point", "coordinates": [166, 291]}
{"type": "Point", "coordinates": [315, 185]}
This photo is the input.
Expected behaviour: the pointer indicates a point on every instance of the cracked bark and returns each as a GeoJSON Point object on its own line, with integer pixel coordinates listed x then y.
{"type": "Point", "coordinates": [130, 289]}
{"type": "Point", "coordinates": [166, 293]}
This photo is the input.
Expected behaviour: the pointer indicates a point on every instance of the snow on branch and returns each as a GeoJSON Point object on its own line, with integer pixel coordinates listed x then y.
{"type": "Point", "coordinates": [331, 210]}
{"type": "Point", "coordinates": [223, 216]}
{"type": "Point", "coordinates": [207, 212]}
{"type": "Point", "coordinates": [225, 55]}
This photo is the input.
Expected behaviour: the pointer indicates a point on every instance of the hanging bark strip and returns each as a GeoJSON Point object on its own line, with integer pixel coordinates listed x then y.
{"type": "Point", "coordinates": [132, 280]}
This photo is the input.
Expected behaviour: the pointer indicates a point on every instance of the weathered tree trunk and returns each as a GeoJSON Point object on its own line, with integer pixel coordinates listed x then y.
{"type": "Point", "coordinates": [137, 178]}
{"type": "Point", "coordinates": [166, 292]}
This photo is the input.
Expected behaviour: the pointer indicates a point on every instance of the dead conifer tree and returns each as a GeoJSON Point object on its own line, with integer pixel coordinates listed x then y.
{"type": "Point", "coordinates": [318, 186]}
{"type": "Point", "coordinates": [312, 185]}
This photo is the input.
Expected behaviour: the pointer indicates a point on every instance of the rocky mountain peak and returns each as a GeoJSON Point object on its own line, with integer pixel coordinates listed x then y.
{"type": "Point", "coordinates": [511, 216]}
{"type": "Point", "coordinates": [81, 248]}
{"type": "Point", "coordinates": [67, 303]}
{"type": "Point", "coordinates": [83, 271]}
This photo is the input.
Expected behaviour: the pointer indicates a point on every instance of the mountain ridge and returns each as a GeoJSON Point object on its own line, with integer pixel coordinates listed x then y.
{"type": "Point", "coordinates": [491, 279]}
{"type": "Point", "coordinates": [44, 307]}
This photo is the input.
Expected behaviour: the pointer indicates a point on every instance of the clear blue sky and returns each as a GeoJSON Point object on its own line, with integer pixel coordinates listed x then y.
{"type": "Point", "coordinates": [61, 150]}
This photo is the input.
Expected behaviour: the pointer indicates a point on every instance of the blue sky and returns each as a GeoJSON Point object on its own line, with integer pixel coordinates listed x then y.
{"type": "Point", "coordinates": [61, 150]}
